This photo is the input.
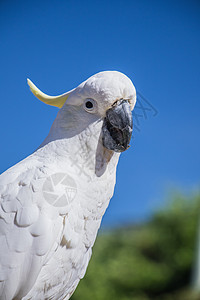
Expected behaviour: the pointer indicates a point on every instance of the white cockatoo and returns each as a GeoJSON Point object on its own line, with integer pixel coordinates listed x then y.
{"type": "Point", "coordinates": [52, 202]}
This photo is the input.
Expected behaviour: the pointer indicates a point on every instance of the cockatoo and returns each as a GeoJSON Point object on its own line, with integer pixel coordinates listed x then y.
{"type": "Point", "coordinates": [52, 202]}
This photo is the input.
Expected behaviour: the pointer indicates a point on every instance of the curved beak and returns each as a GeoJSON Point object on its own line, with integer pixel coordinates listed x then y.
{"type": "Point", "coordinates": [118, 126]}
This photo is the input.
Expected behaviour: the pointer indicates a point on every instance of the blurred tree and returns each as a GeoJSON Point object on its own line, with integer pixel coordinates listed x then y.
{"type": "Point", "coordinates": [153, 260]}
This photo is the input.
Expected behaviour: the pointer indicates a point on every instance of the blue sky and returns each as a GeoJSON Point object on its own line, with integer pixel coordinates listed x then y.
{"type": "Point", "coordinates": [58, 44]}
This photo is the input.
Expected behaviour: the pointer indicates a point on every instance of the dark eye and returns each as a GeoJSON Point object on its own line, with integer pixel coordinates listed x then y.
{"type": "Point", "coordinates": [90, 105]}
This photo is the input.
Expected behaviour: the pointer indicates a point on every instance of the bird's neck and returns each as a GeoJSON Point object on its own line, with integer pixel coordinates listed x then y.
{"type": "Point", "coordinates": [83, 149]}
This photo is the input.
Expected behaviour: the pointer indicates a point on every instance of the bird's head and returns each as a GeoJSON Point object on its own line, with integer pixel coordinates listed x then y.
{"type": "Point", "coordinates": [109, 96]}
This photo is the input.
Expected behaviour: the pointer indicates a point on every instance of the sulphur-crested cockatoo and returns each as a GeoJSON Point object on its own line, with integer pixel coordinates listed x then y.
{"type": "Point", "coordinates": [52, 202]}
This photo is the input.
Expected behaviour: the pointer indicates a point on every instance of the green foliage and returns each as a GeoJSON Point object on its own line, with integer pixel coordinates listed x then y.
{"type": "Point", "coordinates": [150, 261]}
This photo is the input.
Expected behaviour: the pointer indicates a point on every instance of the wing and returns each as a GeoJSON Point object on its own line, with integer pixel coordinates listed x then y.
{"type": "Point", "coordinates": [29, 227]}
{"type": "Point", "coordinates": [49, 219]}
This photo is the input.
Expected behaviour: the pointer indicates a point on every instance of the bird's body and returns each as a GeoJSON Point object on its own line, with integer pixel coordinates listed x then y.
{"type": "Point", "coordinates": [53, 201]}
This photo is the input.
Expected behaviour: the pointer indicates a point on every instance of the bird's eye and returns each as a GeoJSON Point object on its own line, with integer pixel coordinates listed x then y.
{"type": "Point", "coordinates": [90, 105]}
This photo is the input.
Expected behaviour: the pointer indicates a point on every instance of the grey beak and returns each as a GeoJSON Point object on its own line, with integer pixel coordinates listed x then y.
{"type": "Point", "coordinates": [118, 126]}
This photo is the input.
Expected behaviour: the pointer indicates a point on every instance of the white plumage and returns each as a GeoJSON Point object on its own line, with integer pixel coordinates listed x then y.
{"type": "Point", "coordinates": [52, 202]}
